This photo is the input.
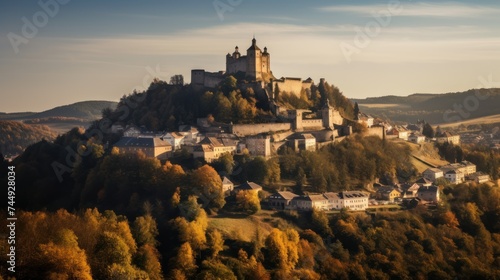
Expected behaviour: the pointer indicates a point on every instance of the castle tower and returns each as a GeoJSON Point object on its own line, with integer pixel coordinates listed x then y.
{"type": "Point", "coordinates": [254, 62]}
{"type": "Point", "coordinates": [330, 116]}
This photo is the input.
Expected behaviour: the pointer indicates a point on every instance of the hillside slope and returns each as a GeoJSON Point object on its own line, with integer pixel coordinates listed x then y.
{"type": "Point", "coordinates": [434, 108]}
{"type": "Point", "coordinates": [16, 136]}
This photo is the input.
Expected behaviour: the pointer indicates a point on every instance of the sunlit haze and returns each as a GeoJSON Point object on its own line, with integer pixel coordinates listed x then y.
{"type": "Point", "coordinates": [90, 50]}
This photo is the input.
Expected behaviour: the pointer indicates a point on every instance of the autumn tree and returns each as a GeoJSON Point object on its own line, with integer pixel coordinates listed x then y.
{"type": "Point", "coordinates": [65, 258]}
{"type": "Point", "coordinates": [248, 201]}
{"type": "Point", "coordinates": [208, 186]}
{"type": "Point", "coordinates": [215, 242]}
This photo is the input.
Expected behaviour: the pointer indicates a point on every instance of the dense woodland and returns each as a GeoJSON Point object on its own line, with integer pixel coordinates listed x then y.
{"type": "Point", "coordinates": [164, 106]}
{"type": "Point", "coordinates": [99, 214]}
{"type": "Point", "coordinates": [16, 136]}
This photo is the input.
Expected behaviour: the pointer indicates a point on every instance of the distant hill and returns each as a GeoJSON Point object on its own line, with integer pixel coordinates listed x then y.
{"type": "Point", "coordinates": [88, 110]}
{"type": "Point", "coordinates": [434, 108]}
{"type": "Point", "coordinates": [15, 136]}
{"type": "Point", "coordinates": [63, 118]}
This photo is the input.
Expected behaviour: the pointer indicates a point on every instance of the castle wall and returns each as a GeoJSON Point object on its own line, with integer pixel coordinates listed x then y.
{"type": "Point", "coordinates": [197, 76]}
{"type": "Point", "coordinates": [290, 85]}
{"type": "Point", "coordinates": [309, 123]}
{"type": "Point", "coordinates": [253, 129]}
{"type": "Point", "coordinates": [377, 131]}
{"type": "Point", "coordinates": [234, 65]}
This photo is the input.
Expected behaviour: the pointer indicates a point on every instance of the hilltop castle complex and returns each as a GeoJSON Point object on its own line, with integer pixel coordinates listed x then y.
{"type": "Point", "coordinates": [255, 67]}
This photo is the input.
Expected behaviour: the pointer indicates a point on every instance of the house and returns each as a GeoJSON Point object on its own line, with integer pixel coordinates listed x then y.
{"type": "Point", "coordinates": [409, 190]}
{"type": "Point", "coordinates": [304, 142]}
{"type": "Point", "coordinates": [258, 145]}
{"type": "Point", "coordinates": [454, 176]}
{"type": "Point", "coordinates": [424, 182]}
{"type": "Point", "coordinates": [479, 177]}
{"type": "Point", "coordinates": [399, 132]}
{"type": "Point", "coordinates": [248, 186]}
{"type": "Point", "coordinates": [469, 167]}
{"type": "Point", "coordinates": [433, 174]}
{"type": "Point", "coordinates": [388, 193]}
{"type": "Point", "coordinates": [211, 148]}
{"type": "Point", "coordinates": [280, 200]}
{"type": "Point", "coordinates": [416, 138]}
{"type": "Point", "coordinates": [354, 200]}
{"type": "Point", "coordinates": [150, 146]}
{"type": "Point", "coordinates": [334, 200]}
{"type": "Point", "coordinates": [365, 119]}
{"type": "Point", "coordinates": [454, 166]}
{"type": "Point", "coordinates": [175, 139]}
{"type": "Point", "coordinates": [430, 194]}
{"type": "Point", "coordinates": [448, 137]}
{"type": "Point", "coordinates": [308, 202]}
{"type": "Point", "coordinates": [227, 185]}
{"type": "Point", "coordinates": [191, 134]}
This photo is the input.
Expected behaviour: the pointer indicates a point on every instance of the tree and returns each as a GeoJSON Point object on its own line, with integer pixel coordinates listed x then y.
{"type": "Point", "coordinates": [356, 111]}
{"type": "Point", "coordinates": [177, 80]}
{"type": "Point", "coordinates": [65, 258]}
{"type": "Point", "coordinates": [145, 230]}
{"type": "Point", "coordinates": [208, 184]}
{"type": "Point", "coordinates": [428, 131]}
{"type": "Point", "coordinates": [184, 261]}
{"type": "Point", "coordinates": [215, 242]}
{"type": "Point", "coordinates": [248, 201]}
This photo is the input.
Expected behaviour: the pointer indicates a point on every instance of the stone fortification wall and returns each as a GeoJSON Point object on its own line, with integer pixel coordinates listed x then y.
{"type": "Point", "coordinates": [254, 129]}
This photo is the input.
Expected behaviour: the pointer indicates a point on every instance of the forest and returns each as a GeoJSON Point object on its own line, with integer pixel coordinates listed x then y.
{"type": "Point", "coordinates": [164, 106]}
{"type": "Point", "coordinates": [100, 214]}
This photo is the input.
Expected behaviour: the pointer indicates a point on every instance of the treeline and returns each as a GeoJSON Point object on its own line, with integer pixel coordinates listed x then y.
{"type": "Point", "coordinates": [16, 136]}
{"type": "Point", "coordinates": [164, 106]}
{"type": "Point", "coordinates": [485, 159]}
{"type": "Point", "coordinates": [460, 239]}
{"type": "Point", "coordinates": [85, 245]}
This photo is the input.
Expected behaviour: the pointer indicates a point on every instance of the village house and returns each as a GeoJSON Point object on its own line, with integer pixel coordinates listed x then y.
{"type": "Point", "coordinates": [455, 176]}
{"type": "Point", "coordinates": [153, 147]}
{"type": "Point", "coordinates": [399, 132]}
{"type": "Point", "coordinates": [248, 186]}
{"type": "Point", "coordinates": [388, 193]}
{"type": "Point", "coordinates": [365, 119]}
{"type": "Point", "coordinates": [424, 182]}
{"type": "Point", "coordinates": [190, 133]}
{"type": "Point", "coordinates": [281, 200]}
{"type": "Point", "coordinates": [304, 142]}
{"type": "Point", "coordinates": [429, 194]}
{"type": "Point", "coordinates": [211, 148]}
{"type": "Point", "coordinates": [132, 131]}
{"type": "Point", "coordinates": [479, 177]}
{"type": "Point", "coordinates": [409, 190]}
{"type": "Point", "coordinates": [308, 202]}
{"type": "Point", "coordinates": [227, 185]}
{"type": "Point", "coordinates": [448, 137]}
{"type": "Point", "coordinates": [175, 139]}
{"type": "Point", "coordinates": [416, 138]}
{"type": "Point", "coordinates": [433, 174]}
{"type": "Point", "coordinates": [354, 200]}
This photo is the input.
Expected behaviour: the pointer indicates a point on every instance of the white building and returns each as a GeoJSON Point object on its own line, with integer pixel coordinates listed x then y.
{"type": "Point", "coordinates": [433, 174]}
{"type": "Point", "coordinates": [454, 176]}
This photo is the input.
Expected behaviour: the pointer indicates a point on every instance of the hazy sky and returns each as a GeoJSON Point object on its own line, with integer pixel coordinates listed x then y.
{"type": "Point", "coordinates": [101, 50]}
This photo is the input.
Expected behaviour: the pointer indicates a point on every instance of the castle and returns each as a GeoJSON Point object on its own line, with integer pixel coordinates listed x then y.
{"type": "Point", "coordinates": [255, 67]}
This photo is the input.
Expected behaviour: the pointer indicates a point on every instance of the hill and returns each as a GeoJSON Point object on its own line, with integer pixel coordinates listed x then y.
{"type": "Point", "coordinates": [16, 136]}
{"type": "Point", "coordinates": [63, 118]}
{"type": "Point", "coordinates": [87, 110]}
{"type": "Point", "coordinates": [434, 108]}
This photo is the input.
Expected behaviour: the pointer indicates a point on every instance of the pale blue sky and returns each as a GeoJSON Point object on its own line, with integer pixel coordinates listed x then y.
{"type": "Point", "coordinates": [101, 50]}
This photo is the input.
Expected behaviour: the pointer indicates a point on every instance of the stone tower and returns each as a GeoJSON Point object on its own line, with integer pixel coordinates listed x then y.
{"type": "Point", "coordinates": [330, 116]}
{"type": "Point", "coordinates": [254, 61]}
